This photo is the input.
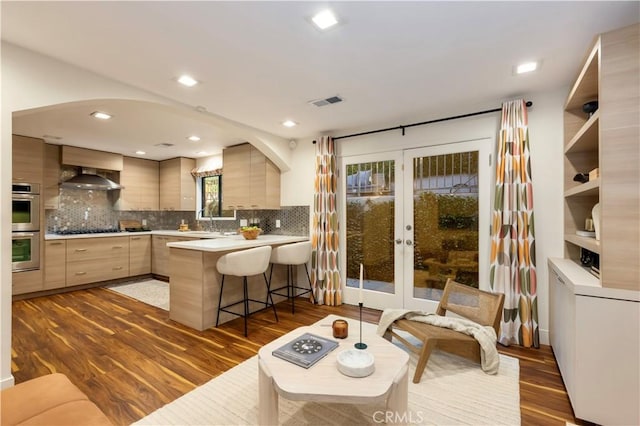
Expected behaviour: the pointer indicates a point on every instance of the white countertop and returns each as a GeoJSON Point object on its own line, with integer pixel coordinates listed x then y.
{"type": "Point", "coordinates": [582, 283]}
{"type": "Point", "coordinates": [235, 242]}
{"type": "Point", "coordinates": [171, 233]}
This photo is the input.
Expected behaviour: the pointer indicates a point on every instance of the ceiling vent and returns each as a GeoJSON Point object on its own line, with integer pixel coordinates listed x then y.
{"type": "Point", "coordinates": [164, 145]}
{"type": "Point", "coordinates": [327, 101]}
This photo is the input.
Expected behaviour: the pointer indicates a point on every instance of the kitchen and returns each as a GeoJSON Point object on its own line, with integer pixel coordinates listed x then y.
{"type": "Point", "coordinates": [79, 241]}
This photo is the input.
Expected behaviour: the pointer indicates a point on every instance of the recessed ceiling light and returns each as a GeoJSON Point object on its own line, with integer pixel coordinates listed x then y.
{"type": "Point", "coordinates": [526, 67]}
{"type": "Point", "coordinates": [101, 115]}
{"type": "Point", "coordinates": [194, 138]}
{"type": "Point", "coordinates": [324, 19]}
{"type": "Point", "coordinates": [140, 152]}
{"type": "Point", "coordinates": [187, 80]}
{"type": "Point", "coordinates": [289, 123]}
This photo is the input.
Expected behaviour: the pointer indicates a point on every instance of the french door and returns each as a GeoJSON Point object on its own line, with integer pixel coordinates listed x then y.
{"type": "Point", "coordinates": [413, 219]}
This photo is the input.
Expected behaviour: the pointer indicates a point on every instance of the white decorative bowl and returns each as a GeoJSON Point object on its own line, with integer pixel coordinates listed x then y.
{"type": "Point", "coordinates": [356, 363]}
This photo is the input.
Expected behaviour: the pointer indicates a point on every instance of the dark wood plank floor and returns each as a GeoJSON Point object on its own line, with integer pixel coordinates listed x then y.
{"type": "Point", "coordinates": [130, 359]}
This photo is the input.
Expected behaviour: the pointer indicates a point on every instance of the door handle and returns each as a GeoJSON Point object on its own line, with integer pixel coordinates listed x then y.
{"type": "Point", "coordinates": [409, 242]}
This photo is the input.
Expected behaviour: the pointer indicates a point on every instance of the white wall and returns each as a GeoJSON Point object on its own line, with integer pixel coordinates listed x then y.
{"type": "Point", "coordinates": [31, 80]}
{"type": "Point", "coordinates": [545, 129]}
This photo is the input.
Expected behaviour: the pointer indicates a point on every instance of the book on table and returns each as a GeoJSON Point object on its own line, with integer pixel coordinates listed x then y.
{"type": "Point", "coordinates": [305, 350]}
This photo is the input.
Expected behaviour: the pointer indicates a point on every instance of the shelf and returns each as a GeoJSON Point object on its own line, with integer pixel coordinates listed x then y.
{"type": "Point", "coordinates": [586, 139]}
{"type": "Point", "coordinates": [588, 243]}
{"type": "Point", "coordinates": [587, 189]}
{"type": "Point", "coordinates": [586, 87]}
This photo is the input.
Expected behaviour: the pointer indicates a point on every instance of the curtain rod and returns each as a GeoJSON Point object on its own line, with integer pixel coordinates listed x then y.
{"type": "Point", "coordinates": [405, 126]}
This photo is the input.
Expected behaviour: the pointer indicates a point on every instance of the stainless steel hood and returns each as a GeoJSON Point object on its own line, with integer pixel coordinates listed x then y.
{"type": "Point", "coordinates": [88, 179]}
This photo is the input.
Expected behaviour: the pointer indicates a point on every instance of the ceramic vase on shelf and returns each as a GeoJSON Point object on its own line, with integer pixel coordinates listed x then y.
{"type": "Point", "coordinates": [595, 214]}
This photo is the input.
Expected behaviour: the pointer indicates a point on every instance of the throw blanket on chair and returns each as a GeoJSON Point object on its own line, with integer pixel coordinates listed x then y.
{"type": "Point", "coordinates": [485, 335]}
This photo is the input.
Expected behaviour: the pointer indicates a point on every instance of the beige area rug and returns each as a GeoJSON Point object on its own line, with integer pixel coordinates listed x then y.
{"type": "Point", "coordinates": [152, 292]}
{"type": "Point", "coordinates": [453, 391]}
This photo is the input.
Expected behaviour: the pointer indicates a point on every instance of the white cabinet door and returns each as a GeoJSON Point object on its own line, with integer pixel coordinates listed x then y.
{"type": "Point", "coordinates": [607, 379]}
{"type": "Point", "coordinates": [563, 328]}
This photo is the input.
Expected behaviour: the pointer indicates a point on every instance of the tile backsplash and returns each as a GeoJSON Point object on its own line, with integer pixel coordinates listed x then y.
{"type": "Point", "coordinates": [82, 209]}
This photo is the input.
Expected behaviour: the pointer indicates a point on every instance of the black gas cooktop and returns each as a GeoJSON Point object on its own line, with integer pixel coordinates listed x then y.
{"type": "Point", "coordinates": [86, 231]}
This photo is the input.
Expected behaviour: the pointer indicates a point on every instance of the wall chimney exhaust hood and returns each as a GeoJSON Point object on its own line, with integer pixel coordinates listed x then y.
{"type": "Point", "coordinates": [88, 179]}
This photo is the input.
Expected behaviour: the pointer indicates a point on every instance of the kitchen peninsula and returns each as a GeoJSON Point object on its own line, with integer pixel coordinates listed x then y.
{"type": "Point", "coordinates": [195, 281]}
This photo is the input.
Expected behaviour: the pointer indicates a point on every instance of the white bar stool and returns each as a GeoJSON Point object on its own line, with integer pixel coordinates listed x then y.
{"type": "Point", "coordinates": [244, 264]}
{"type": "Point", "coordinates": [291, 255]}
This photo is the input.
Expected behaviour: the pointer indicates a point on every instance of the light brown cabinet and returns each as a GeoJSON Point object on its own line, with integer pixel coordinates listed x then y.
{"type": "Point", "coordinates": [139, 255]}
{"type": "Point", "coordinates": [177, 185]}
{"type": "Point", "coordinates": [28, 159]}
{"type": "Point", "coordinates": [236, 164]}
{"type": "Point", "coordinates": [74, 156]}
{"type": "Point", "coordinates": [97, 259]}
{"type": "Point", "coordinates": [51, 178]}
{"type": "Point", "coordinates": [140, 179]}
{"type": "Point", "coordinates": [590, 316]}
{"type": "Point", "coordinates": [160, 253]}
{"type": "Point", "coordinates": [55, 264]}
{"type": "Point", "coordinates": [251, 181]}
{"type": "Point", "coordinates": [26, 282]}
{"type": "Point", "coordinates": [607, 140]}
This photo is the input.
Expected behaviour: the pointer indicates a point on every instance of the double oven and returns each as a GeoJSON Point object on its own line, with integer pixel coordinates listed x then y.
{"type": "Point", "coordinates": [25, 213]}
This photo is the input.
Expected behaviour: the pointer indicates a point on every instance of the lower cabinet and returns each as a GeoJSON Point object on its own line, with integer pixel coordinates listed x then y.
{"type": "Point", "coordinates": [55, 264]}
{"type": "Point", "coordinates": [160, 253]}
{"type": "Point", "coordinates": [77, 261]}
{"type": "Point", "coordinates": [139, 255]}
{"type": "Point", "coordinates": [26, 282]}
{"type": "Point", "coordinates": [594, 336]}
{"type": "Point", "coordinates": [97, 259]}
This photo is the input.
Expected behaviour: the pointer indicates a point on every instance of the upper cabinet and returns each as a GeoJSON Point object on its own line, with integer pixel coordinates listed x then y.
{"type": "Point", "coordinates": [51, 179]}
{"type": "Point", "coordinates": [140, 179]}
{"type": "Point", "coordinates": [28, 159]}
{"type": "Point", "coordinates": [250, 179]}
{"type": "Point", "coordinates": [606, 140]}
{"type": "Point", "coordinates": [177, 185]}
{"type": "Point", "coordinates": [74, 156]}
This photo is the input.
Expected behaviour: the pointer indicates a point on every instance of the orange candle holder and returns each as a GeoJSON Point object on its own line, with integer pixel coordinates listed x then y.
{"type": "Point", "coordinates": [340, 329]}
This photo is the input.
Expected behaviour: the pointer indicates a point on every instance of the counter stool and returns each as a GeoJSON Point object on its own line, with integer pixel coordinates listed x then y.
{"type": "Point", "coordinates": [244, 264]}
{"type": "Point", "coordinates": [291, 255]}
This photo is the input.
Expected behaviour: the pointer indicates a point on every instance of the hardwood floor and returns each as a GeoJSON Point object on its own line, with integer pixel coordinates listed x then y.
{"type": "Point", "coordinates": [130, 359]}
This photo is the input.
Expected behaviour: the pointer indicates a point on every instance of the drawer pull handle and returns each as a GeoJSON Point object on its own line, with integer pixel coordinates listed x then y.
{"type": "Point", "coordinates": [135, 238]}
{"type": "Point", "coordinates": [81, 273]}
{"type": "Point", "coordinates": [117, 268]}
{"type": "Point", "coordinates": [117, 247]}
{"type": "Point", "coordinates": [55, 244]}
{"type": "Point", "coordinates": [81, 250]}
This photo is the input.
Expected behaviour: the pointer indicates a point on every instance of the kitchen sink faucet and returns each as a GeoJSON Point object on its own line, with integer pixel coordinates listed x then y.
{"type": "Point", "coordinates": [211, 223]}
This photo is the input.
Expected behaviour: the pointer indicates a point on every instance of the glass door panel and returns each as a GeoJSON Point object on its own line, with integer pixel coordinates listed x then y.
{"type": "Point", "coordinates": [446, 209]}
{"type": "Point", "coordinates": [373, 204]}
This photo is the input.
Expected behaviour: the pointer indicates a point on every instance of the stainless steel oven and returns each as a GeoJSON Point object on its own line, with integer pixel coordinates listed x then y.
{"type": "Point", "coordinates": [25, 251]}
{"type": "Point", "coordinates": [25, 213]}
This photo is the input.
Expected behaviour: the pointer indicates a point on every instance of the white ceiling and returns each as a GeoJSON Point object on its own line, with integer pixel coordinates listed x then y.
{"type": "Point", "coordinates": [262, 62]}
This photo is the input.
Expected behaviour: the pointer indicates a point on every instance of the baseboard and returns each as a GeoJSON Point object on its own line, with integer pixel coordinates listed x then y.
{"type": "Point", "coordinates": [7, 382]}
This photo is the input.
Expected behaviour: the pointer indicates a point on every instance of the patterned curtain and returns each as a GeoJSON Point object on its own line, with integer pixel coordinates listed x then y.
{"type": "Point", "coordinates": [513, 262]}
{"type": "Point", "coordinates": [325, 276]}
